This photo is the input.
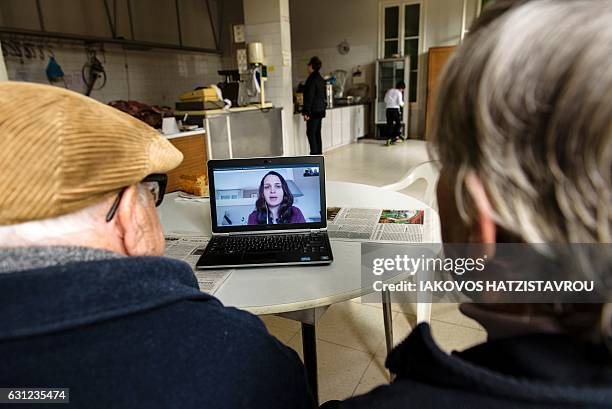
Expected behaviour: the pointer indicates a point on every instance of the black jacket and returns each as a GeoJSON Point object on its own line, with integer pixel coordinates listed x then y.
{"type": "Point", "coordinates": [314, 96]}
{"type": "Point", "coordinates": [137, 333]}
{"type": "Point", "coordinates": [527, 372]}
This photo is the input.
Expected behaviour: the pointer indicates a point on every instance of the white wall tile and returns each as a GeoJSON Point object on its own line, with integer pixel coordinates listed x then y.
{"type": "Point", "coordinates": [153, 77]}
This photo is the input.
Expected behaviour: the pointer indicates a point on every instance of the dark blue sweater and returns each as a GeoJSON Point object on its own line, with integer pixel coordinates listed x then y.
{"type": "Point", "coordinates": [538, 371]}
{"type": "Point", "coordinates": [137, 333]}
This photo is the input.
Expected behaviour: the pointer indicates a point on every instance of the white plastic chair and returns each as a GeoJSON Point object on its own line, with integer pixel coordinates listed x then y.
{"type": "Point", "coordinates": [430, 172]}
{"type": "Point", "coordinates": [427, 171]}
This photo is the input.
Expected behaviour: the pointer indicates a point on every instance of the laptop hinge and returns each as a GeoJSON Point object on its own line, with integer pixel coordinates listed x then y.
{"type": "Point", "coordinates": [242, 233]}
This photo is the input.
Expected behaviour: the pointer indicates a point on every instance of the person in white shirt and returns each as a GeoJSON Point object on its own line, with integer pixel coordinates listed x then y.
{"type": "Point", "coordinates": [394, 101]}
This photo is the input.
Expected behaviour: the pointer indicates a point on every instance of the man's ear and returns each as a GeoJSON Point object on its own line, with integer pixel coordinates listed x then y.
{"type": "Point", "coordinates": [142, 233]}
{"type": "Point", "coordinates": [129, 219]}
{"type": "Point", "coordinates": [483, 229]}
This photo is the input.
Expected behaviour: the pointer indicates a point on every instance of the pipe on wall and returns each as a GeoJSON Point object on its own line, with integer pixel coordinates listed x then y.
{"type": "Point", "coordinates": [103, 40]}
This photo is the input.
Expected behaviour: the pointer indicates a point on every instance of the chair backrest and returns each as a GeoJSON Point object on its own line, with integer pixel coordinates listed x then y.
{"type": "Point", "coordinates": [428, 171]}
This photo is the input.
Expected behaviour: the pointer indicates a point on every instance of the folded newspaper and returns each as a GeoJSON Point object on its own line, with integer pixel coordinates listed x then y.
{"type": "Point", "coordinates": [189, 248]}
{"type": "Point", "coordinates": [380, 225]}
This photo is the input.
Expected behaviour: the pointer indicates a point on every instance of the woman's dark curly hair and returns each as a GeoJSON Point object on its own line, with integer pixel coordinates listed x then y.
{"type": "Point", "coordinates": [285, 210]}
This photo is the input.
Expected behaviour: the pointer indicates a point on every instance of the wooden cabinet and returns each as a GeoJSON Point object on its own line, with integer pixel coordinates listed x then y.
{"type": "Point", "coordinates": [193, 148]}
{"type": "Point", "coordinates": [438, 56]}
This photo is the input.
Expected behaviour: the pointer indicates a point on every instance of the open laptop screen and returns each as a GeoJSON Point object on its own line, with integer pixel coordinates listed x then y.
{"type": "Point", "coordinates": [266, 196]}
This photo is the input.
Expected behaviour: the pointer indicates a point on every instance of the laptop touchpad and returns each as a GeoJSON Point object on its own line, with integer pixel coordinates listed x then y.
{"type": "Point", "coordinates": [269, 256]}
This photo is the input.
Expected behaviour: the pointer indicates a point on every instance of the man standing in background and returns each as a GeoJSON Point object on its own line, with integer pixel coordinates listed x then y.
{"type": "Point", "coordinates": [394, 101]}
{"type": "Point", "coordinates": [314, 105]}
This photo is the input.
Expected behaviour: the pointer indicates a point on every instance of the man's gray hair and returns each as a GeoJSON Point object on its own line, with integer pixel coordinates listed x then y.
{"type": "Point", "coordinates": [56, 230]}
{"type": "Point", "coordinates": [526, 104]}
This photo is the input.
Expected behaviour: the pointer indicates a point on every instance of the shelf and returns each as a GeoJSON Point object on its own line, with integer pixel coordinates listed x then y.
{"type": "Point", "coordinates": [183, 134]}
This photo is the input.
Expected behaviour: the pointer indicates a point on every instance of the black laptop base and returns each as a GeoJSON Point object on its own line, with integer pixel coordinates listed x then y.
{"type": "Point", "coordinates": [259, 250]}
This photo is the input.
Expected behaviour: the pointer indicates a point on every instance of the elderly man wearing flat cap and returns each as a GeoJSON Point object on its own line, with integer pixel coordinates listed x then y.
{"type": "Point", "coordinates": [86, 300]}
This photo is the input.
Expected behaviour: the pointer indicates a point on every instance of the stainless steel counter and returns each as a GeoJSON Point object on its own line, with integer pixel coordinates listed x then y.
{"type": "Point", "coordinates": [244, 134]}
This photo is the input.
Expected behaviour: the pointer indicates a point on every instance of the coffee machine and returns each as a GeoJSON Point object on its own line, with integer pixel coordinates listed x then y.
{"type": "Point", "coordinates": [230, 87]}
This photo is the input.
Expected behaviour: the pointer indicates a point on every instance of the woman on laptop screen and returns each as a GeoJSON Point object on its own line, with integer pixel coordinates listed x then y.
{"type": "Point", "coordinates": [274, 203]}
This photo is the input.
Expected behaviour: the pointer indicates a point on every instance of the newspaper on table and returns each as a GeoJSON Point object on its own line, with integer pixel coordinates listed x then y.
{"type": "Point", "coordinates": [381, 225]}
{"type": "Point", "coordinates": [189, 248]}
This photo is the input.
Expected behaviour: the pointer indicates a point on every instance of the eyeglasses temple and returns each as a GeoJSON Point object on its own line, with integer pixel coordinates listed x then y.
{"type": "Point", "coordinates": [113, 209]}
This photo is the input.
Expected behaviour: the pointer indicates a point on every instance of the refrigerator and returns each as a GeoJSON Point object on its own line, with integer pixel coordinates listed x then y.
{"type": "Point", "coordinates": [389, 72]}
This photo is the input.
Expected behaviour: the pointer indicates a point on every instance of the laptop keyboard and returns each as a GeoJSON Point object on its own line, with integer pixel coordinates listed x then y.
{"type": "Point", "coordinates": [305, 243]}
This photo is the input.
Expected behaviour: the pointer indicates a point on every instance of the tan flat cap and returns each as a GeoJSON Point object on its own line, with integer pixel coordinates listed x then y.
{"type": "Point", "coordinates": [61, 151]}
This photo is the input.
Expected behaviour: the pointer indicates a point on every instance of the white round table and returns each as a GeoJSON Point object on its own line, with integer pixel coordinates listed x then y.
{"type": "Point", "coordinates": [303, 293]}
{"type": "Point", "coordinates": [273, 290]}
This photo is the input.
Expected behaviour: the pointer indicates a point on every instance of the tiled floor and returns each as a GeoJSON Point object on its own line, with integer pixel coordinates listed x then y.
{"type": "Point", "coordinates": [351, 342]}
{"type": "Point", "coordinates": [350, 335]}
{"type": "Point", "coordinates": [372, 163]}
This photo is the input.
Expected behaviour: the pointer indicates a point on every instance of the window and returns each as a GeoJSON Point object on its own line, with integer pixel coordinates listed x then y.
{"type": "Point", "coordinates": [392, 32]}
{"type": "Point", "coordinates": [401, 37]}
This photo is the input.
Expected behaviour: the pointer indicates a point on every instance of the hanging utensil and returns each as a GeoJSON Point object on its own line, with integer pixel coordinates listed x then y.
{"type": "Point", "coordinates": [92, 72]}
{"type": "Point", "coordinates": [54, 72]}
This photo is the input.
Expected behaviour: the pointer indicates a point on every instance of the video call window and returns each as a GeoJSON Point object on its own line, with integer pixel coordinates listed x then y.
{"type": "Point", "coordinates": [287, 195]}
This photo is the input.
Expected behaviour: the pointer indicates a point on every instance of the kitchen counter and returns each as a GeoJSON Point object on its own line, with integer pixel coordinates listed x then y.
{"type": "Point", "coordinates": [348, 105]}
{"type": "Point", "coordinates": [345, 105]}
{"type": "Point", "coordinates": [238, 109]}
{"type": "Point", "coordinates": [342, 125]}
{"type": "Point", "coordinates": [339, 106]}
{"type": "Point", "coordinates": [185, 133]}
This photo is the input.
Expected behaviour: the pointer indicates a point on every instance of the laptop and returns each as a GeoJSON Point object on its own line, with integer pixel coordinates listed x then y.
{"type": "Point", "coordinates": [267, 212]}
